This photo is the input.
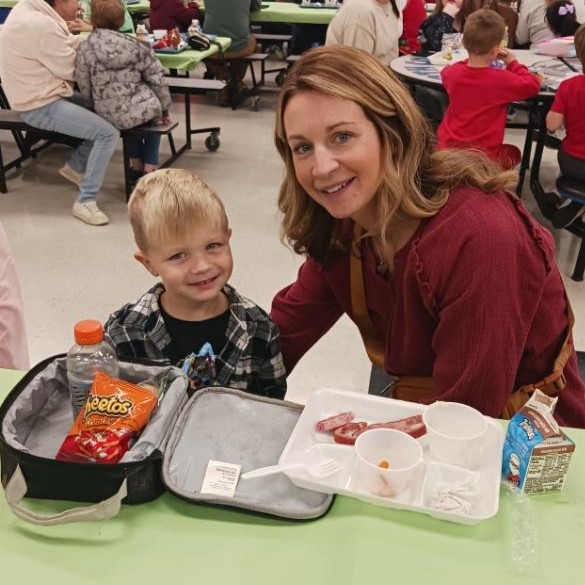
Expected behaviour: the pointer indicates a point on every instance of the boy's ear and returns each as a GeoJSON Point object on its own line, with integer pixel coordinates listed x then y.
{"type": "Point", "coordinates": [229, 233]}
{"type": "Point", "coordinates": [146, 263]}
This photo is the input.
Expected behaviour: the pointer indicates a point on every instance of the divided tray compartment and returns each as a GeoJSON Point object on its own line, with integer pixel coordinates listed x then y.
{"type": "Point", "coordinates": [308, 445]}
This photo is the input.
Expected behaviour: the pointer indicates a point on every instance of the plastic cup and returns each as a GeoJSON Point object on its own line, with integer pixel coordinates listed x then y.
{"type": "Point", "coordinates": [455, 433]}
{"type": "Point", "coordinates": [403, 454]}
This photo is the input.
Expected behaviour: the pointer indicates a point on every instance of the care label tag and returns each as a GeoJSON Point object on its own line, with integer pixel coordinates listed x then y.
{"type": "Point", "coordinates": [221, 478]}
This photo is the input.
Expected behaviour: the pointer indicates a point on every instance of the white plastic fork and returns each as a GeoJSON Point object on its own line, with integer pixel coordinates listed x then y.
{"type": "Point", "coordinates": [322, 469]}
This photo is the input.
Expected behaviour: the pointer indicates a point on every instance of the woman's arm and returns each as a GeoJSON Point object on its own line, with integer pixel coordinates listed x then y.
{"type": "Point", "coordinates": [304, 311]}
{"type": "Point", "coordinates": [486, 304]}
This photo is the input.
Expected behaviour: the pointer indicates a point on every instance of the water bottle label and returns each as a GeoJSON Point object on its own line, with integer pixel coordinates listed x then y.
{"type": "Point", "coordinates": [79, 390]}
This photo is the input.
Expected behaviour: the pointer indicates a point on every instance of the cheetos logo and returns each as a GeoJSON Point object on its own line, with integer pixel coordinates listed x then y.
{"type": "Point", "coordinates": [109, 405]}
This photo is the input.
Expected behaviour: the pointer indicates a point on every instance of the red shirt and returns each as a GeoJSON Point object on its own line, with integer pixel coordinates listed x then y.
{"type": "Point", "coordinates": [166, 14]}
{"type": "Point", "coordinates": [570, 101]}
{"type": "Point", "coordinates": [476, 301]}
{"type": "Point", "coordinates": [478, 103]}
{"type": "Point", "coordinates": [413, 16]}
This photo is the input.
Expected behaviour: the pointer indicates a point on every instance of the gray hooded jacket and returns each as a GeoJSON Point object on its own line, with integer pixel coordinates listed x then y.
{"type": "Point", "coordinates": [122, 79]}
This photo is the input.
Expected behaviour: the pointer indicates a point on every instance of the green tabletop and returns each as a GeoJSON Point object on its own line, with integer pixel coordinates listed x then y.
{"type": "Point", "coordinates": [143, 6]}
{"type": "Point", "coordinates": [292, 13]}
{"type": "Point", "coordinates": [188, 60]}
{"type": "Point", "coordinates": [171, 541]}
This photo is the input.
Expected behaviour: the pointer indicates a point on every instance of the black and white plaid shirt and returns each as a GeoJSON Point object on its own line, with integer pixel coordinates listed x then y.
{"type": "Point", "coordinates": [250, 360]}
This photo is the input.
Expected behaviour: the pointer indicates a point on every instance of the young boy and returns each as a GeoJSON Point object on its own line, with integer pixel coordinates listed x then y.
{"type": "Point", "coordinates": [479, 94]}
{"type": "Point", "coordinates": [183, 236]}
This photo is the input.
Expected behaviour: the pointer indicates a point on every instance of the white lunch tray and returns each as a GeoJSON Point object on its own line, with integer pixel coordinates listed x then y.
{"type": "Point", "coordinates": [308, 445]}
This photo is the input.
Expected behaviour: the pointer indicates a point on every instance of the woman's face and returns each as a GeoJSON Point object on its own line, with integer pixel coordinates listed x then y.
{"type": "Point", "coordinates": [336, 153]}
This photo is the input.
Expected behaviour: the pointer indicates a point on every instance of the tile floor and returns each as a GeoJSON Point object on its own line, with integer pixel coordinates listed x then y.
{"type": "Point", "coordinates": [70, 271]}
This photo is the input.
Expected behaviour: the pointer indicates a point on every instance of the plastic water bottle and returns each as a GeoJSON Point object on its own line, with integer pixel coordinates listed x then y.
{"type": "Point", "coordinates": [90, 354]}
{"type": "Point", "coordinates": [141, 33]}
{"type": "Point", "coordinates": [504, 41]}
{"type": "Point", "coordinates": [194, 27]}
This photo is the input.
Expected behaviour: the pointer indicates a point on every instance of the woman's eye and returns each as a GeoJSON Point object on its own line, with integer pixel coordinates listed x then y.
{"type": "Point", "coordinates": [342, 137]}
{"type": "Point", "coordinates": [301, 148]}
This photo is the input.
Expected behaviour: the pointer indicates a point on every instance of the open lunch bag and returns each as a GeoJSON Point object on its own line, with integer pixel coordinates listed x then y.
{"type": "Point", "coordinates": [172, 452]}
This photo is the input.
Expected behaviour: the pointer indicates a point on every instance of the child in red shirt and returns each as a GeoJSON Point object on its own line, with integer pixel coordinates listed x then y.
{"type": "Point", "coordinates": [567, 111]}
{"type": "Point", "coordinates": [479, 94]}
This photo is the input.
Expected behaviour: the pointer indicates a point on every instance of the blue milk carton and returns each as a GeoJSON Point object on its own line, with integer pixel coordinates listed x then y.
{"type": "Point", "coordinates": [537, 452]}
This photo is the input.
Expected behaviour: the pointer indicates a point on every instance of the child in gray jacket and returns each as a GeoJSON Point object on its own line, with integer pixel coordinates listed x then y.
{"type": "Point", "coordinates": [123, 80]}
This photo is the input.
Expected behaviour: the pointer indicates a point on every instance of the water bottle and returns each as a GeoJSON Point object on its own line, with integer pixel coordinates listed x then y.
{"type": "Point", "coordinates": [194, 27]}
{"type": "Point", "coordinates": [141, 33]}
{"type": "Point", "coordinates": [91, 353]}
{"type": "Point", "coordinates": [504, 41]}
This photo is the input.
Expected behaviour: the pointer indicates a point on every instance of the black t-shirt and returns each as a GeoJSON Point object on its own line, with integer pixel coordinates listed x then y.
{"type": "Point", "coordinates": [189, 336]}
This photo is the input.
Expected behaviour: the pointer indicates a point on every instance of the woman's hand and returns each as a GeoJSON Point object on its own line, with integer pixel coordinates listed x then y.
{"type": "Point", "coordinates": [452, 7]}
{"type": "Point", "coordinates": [78, 25]}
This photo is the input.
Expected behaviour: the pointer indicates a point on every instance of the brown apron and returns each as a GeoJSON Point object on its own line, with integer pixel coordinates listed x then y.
{"type": "Point", "coordinates": [414, 388]}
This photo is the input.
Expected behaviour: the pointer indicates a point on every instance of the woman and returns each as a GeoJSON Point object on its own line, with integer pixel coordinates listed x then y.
{"type": "Point", "coordinates": [449, 17]}
{"type": "Point", "coordinates": [37, 57]}
{"type": "Point", "coordinates": [457, 282]}
{"type": "Point", "coordinates": [372, 25]}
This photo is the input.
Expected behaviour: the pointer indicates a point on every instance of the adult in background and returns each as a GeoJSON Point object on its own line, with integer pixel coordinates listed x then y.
{"type": "Point", "coordinates": [83, 21]}
{"type": "Point", "coordinates": [452, 283]}
{"type": "Point", "coordinates": [37, 56]}
{"type": "Point", "coordinates": [166, 14]}
{"type": "Point", "coordinates": [231, 18]}
{"type": "Point", "coordinates": [13, 347]}
{"type": "Point", "coordinates": [449, 17]}
{"type": "Point", "coordinates": [374, 26]}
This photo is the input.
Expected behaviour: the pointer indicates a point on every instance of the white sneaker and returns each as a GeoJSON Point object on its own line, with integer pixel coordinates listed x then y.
{"type": "Point", "coordinates": [68, 173]}
{"type": "Point", "coordinates": [90, 213]}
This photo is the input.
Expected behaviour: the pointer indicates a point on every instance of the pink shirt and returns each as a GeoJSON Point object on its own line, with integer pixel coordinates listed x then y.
{"type": "Point", "coordinates": [475, 301]}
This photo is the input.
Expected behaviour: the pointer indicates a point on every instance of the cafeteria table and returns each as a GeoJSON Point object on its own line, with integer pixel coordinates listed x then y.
{"type": "Point", "coordinates": [289, 13]}
{"type": "Point", "coordinates": [170, 540]}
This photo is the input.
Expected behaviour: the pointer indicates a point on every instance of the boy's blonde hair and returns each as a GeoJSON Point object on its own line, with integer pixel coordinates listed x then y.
{"type": "Point", "coordinates": [483, 30]}
{"type": "Point", "coordinates": [172, 203]}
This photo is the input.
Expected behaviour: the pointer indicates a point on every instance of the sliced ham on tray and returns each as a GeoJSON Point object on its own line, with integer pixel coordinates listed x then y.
{"type": "Point", "coordinates": [333, 422]}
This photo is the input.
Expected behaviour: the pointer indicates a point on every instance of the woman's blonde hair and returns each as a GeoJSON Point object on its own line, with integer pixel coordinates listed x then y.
{"type": "Point", "coordinates": [416, 179]}
{"type": "Point", "coordinates": [170, 204]}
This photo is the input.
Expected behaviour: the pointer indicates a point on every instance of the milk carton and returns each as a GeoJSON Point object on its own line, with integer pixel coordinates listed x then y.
{"type": "Point", "coordinates": [536, 451]}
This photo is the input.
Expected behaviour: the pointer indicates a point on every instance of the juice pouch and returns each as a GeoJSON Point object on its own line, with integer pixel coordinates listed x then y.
{"type": "Point", "coordinates": [115, 412]}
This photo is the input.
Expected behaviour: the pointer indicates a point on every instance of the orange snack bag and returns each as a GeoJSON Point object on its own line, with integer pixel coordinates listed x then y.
{"type": "Point", "coordinates": [115, 412]}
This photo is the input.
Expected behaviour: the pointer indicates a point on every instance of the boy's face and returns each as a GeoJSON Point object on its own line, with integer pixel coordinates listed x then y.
{"type": "Point", "coordinates": [193, 269]}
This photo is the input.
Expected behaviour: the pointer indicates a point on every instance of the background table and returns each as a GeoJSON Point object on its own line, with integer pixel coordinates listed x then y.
{"type": "Point", "coordinates": [356, 543]}
{"type": "Point", "coordinates": [189, 59]}
{"type": "Point", "coordinates": [292, 13]}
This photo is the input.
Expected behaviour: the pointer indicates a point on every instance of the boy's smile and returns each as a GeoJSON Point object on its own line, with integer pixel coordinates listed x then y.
{"type": "Point", "coordinates": [194, 270]}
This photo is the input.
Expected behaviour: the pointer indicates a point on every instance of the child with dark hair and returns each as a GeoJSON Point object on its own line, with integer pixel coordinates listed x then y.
{"type": "Point", "coordinates": [562, 19]}
{"type": "Point", "coordinates": [567, 111]}
{"type": "Point", "coordinates": [124, 81]}
{"type": "Point", "coordinates": [479, 94]}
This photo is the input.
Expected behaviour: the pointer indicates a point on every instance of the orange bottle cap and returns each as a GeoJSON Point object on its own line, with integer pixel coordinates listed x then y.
{"type": "Point", "coordinates": [88, 332]}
